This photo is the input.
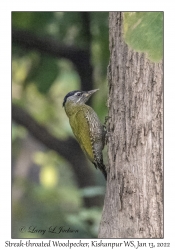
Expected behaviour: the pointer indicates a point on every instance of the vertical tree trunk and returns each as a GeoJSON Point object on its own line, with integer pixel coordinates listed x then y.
{"type": "Point", "coordinates": [133, 203]}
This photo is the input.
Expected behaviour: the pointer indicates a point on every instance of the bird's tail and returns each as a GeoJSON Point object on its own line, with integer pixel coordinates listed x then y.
{"type": "Point", "coordinates": [102, 167]}
{"type": "Point", "coordinates": [103, 170]}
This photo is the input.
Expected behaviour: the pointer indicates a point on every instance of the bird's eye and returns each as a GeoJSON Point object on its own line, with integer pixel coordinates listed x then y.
{"type": "Point", "coordinates": [78, 94]}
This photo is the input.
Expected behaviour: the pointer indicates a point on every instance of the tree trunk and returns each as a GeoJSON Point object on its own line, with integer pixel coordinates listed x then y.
{"type": "Point", "coordinates": [134, 197]}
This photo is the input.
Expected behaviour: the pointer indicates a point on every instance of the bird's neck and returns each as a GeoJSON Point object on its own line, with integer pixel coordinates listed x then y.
{"type": "Point", "coordinates": [73, 108]}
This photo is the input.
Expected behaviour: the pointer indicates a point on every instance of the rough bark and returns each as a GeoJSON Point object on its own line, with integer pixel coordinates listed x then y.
{"type": "Point", "coordinates": [134, 197]}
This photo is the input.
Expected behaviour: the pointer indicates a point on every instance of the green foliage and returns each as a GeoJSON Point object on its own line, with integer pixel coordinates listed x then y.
{"type": "Point", "coordinates": [68, 28]}
{"type": "Point", "coordinates": [39, 84]}
{"type": "Point", "coordinates": [44, 73]}
{"type": "Point", "coordinates": [100, 43]}
{"type": "Point", "coordinates": [87, 220]}
{"type": "Point", "coordinates": [17, 132]}
{"type": "Point", "coordinates": [58, 205]}
{"type": "Point", "coordinates": [143, 31]}
{"type": "Point", "coordinates": [36, 22]}
{"type": "Point", "coordinates": [92, 191]}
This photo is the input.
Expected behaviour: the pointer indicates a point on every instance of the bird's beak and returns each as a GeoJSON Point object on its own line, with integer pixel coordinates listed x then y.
{"type": "Point", "coordinates": [89, 93]}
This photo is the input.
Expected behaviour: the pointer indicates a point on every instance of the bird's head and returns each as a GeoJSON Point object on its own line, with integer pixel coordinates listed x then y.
{"type": "Point", "coordinates": [78, 97]}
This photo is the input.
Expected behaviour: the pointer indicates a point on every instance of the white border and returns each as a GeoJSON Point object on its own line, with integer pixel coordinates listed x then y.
{"type": "Point", "coordinates": [5, 96]}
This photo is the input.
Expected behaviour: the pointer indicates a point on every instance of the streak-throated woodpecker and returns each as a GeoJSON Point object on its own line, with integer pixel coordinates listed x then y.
{"type": "Point", "coordinates": [86, 126]}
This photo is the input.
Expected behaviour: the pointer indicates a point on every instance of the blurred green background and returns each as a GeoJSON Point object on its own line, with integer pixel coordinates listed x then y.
{"type": "Point", "coordinates": [53, 184]}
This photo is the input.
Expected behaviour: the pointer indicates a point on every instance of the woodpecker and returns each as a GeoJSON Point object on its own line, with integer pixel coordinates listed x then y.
{"type": "Point", "coordinates": [86, 126]}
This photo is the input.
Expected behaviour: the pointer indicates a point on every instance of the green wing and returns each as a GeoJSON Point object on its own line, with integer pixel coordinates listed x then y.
{"type": "Point", "coordinates": [81, 129]}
